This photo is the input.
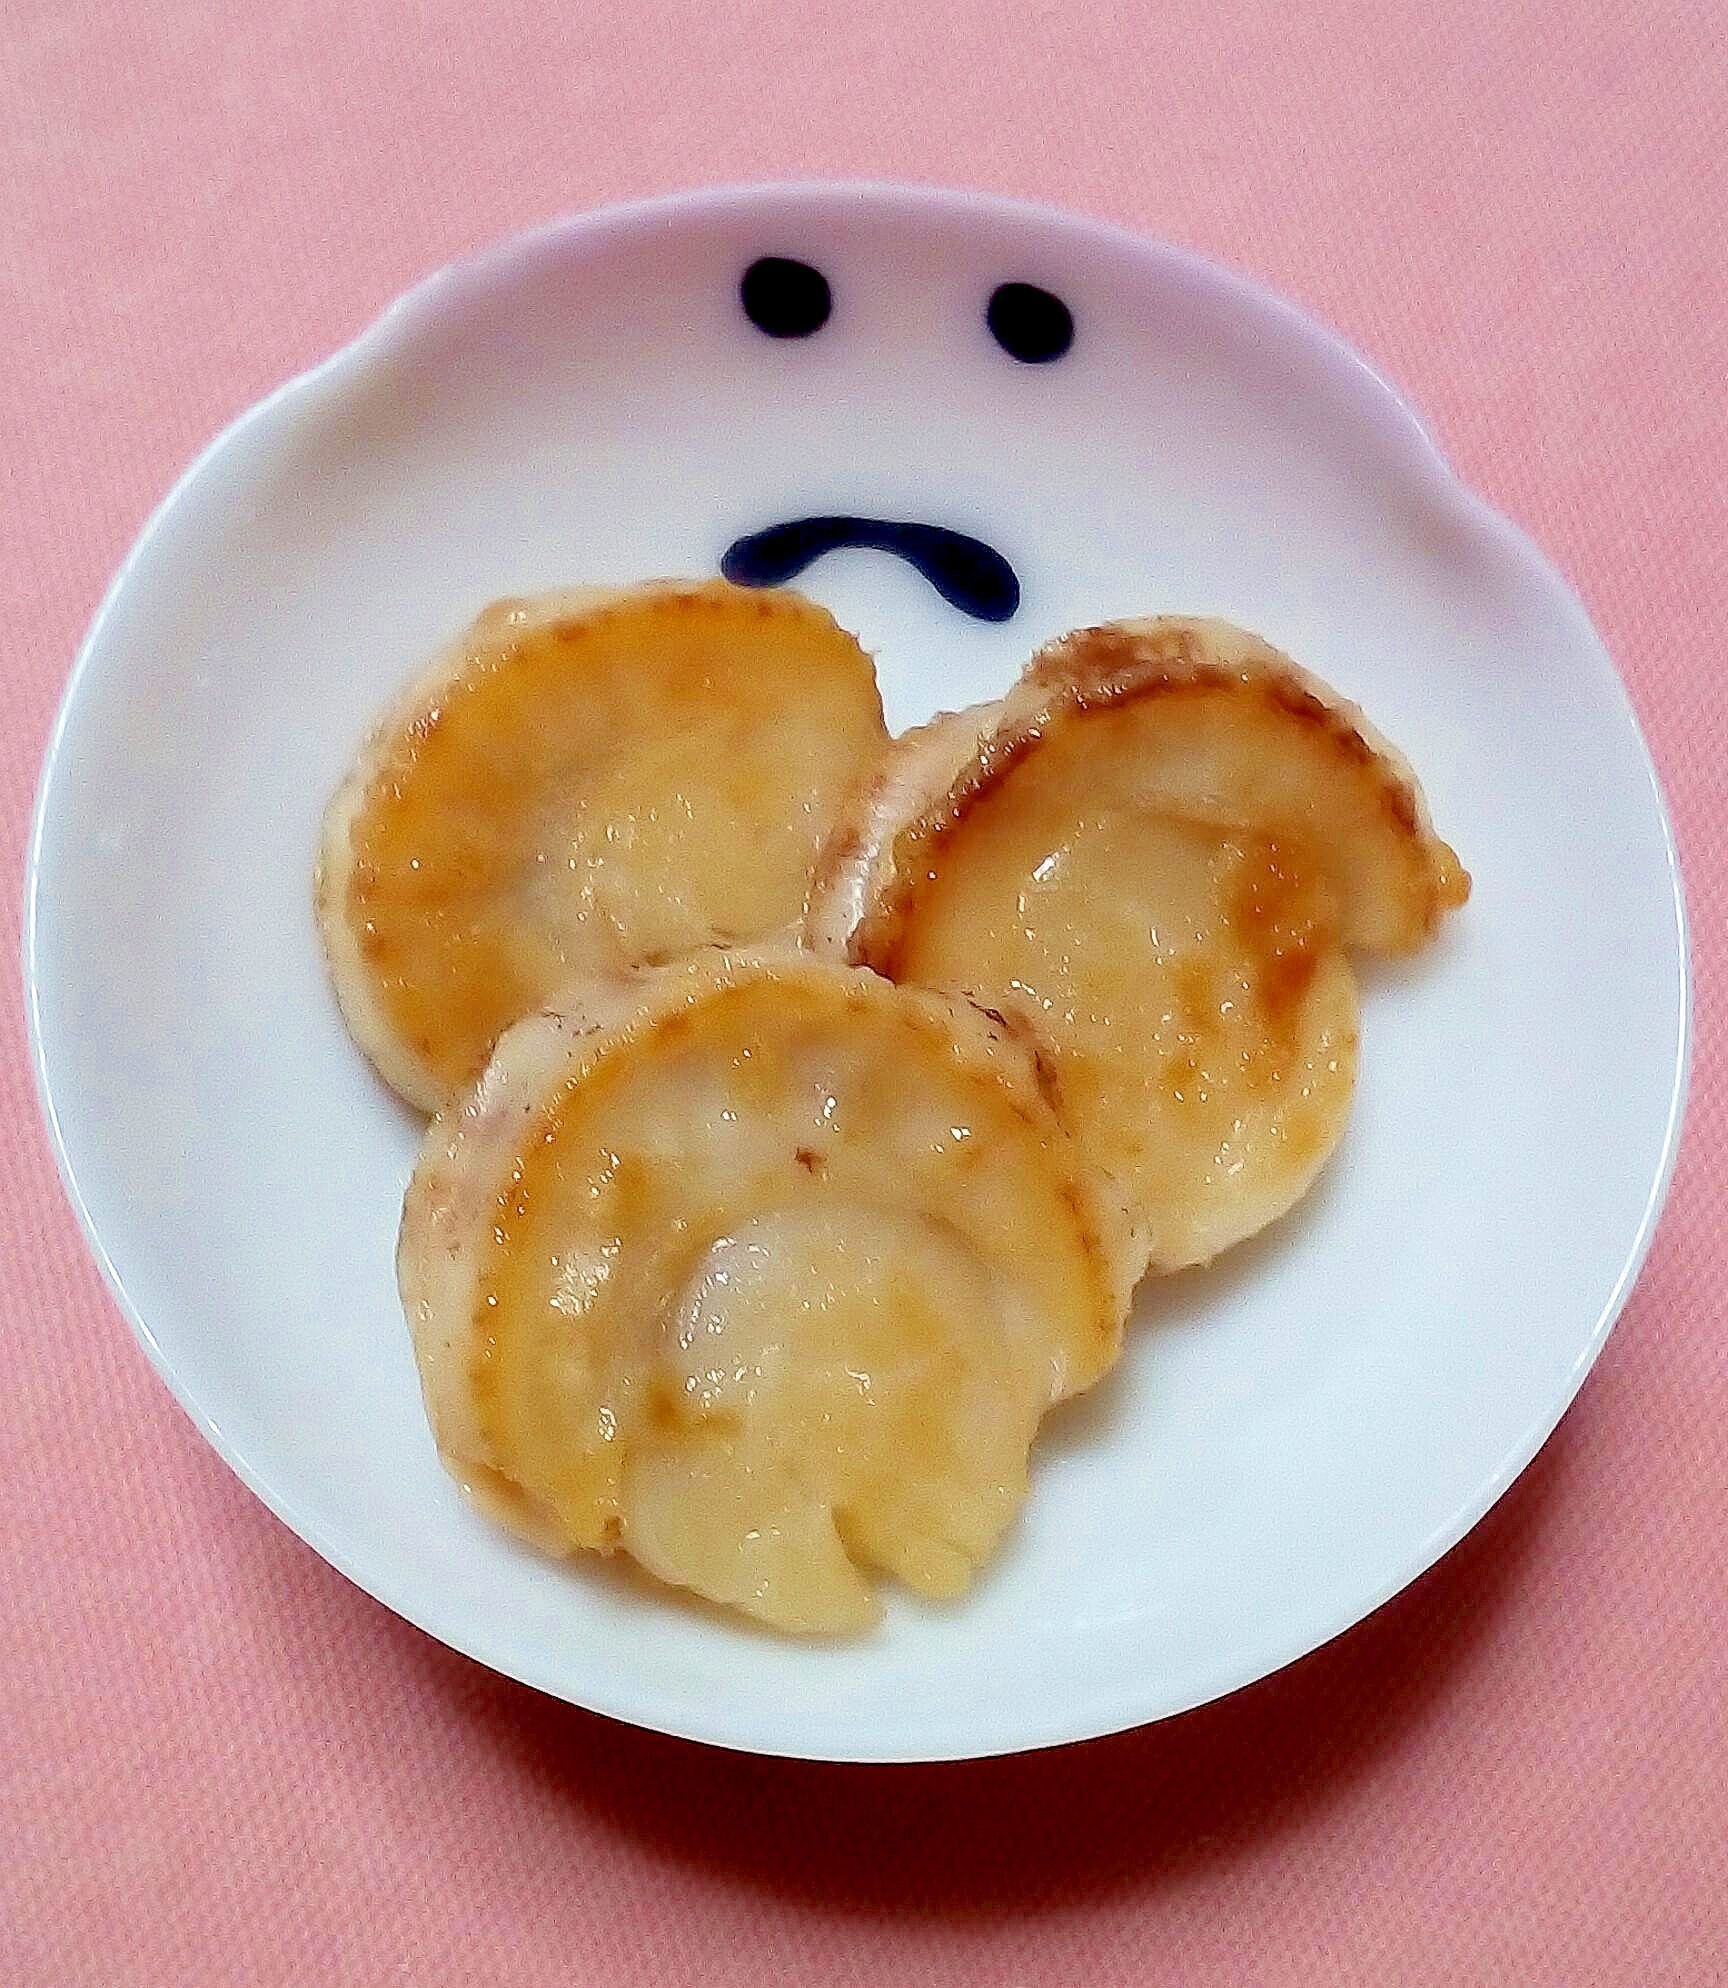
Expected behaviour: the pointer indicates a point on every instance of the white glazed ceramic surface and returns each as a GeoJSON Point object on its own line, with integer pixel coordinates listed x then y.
{"type": "Point", "coordinates": [1294, 1434]}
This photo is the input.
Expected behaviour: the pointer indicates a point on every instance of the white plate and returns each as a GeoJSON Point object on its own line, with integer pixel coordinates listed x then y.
{"type": "Point", "coordinates": [1294, 1435]}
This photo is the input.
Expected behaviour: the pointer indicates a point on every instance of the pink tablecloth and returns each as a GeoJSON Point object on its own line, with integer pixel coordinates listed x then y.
{"type": "Point", "coordinates": [219, 1763]}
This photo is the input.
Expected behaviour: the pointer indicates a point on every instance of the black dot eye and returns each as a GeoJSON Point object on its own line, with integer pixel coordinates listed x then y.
{"type": "Point", "coordinates": [1029, 324]}
{"type": "Point", "coordinates": [786, 299]}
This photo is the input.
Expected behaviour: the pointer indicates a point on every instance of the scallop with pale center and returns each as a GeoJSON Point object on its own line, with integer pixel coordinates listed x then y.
{"type": "Point", "coordinates": [764, 1270]}
{"type": "Point", "coordinates": [1157, 849]}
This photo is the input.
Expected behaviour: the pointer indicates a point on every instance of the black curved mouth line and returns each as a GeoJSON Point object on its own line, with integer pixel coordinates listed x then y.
{"type": "Point", "coordinates": [967, 573]}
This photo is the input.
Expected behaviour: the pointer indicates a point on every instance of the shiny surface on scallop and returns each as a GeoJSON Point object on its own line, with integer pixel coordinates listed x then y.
{"type": "Point", "coordinates": [586, 790]}
{"type": "Point", "coordinates": [775, 1291]}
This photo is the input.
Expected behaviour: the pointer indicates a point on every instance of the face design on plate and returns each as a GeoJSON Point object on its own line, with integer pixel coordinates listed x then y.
{"type": "Point", "coordinates": [789, 299]}
{"type": "Point", "coordinates": [960, 440]}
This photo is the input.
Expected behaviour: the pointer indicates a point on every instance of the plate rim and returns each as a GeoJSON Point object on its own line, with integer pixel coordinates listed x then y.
{"type": "Point", "coordinates": [1375, 401]}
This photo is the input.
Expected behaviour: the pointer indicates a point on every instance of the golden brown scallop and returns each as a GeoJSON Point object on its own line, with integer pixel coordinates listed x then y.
{"type": "Point", "coordinates": [763, 1270]}
{"type": "Point", "coordinates": [583, 781]}
{"type": "Point", "coordinates": [1158, 852]}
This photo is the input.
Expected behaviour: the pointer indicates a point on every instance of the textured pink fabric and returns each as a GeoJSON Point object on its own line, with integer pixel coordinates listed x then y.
{"type": "Point", "coordinates": [218, 1762]}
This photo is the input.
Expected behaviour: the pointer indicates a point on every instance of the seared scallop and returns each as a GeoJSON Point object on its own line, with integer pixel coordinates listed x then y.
{"type": "Point", "coordinates": [584, 781]}
{"type": "Point", "coordinates": [763, 1270]}
{"type": "Point", "coordinates": [1158, 852]}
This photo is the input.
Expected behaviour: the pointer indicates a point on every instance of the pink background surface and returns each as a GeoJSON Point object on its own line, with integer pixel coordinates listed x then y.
{"type": "Point", "coordinates": [218, 1762]}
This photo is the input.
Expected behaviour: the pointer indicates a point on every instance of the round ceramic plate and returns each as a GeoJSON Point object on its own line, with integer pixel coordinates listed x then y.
{"type": "Point", "coordinates": [1294, 1434]}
